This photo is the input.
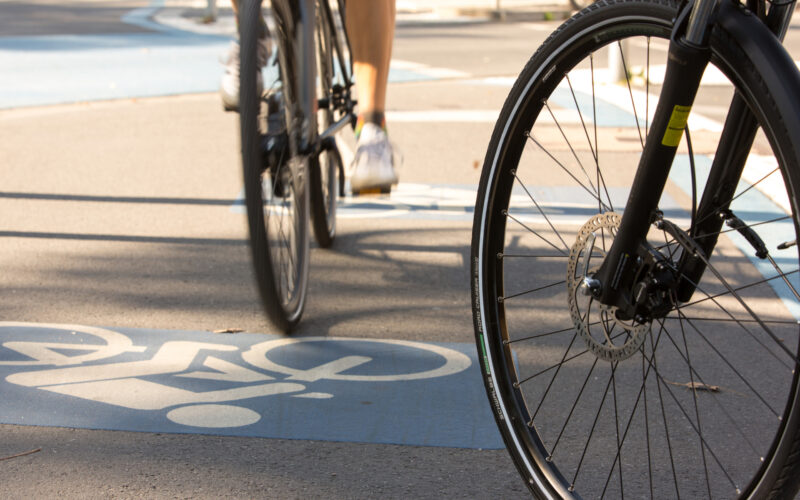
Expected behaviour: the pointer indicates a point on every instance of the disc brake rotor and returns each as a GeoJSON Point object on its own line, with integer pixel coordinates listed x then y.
{"type": "Point", "coordinates": [608, 337]}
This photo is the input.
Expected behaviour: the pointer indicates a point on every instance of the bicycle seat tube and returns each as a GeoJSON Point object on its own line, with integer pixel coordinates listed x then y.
{"type": "Point", "coordinates": [613, 283]}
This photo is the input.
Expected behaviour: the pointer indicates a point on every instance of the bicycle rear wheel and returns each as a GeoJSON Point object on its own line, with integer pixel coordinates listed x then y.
{"type": "Point", "coordinates": [325, 168]}
{"type": "Point", "coordinates": [275, 174]}
{"type": "Point", "coordinates": [702, 402]}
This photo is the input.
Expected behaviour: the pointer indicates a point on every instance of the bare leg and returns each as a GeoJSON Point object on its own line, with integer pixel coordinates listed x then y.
{"type": "Point", "coordinates": [370, 26]}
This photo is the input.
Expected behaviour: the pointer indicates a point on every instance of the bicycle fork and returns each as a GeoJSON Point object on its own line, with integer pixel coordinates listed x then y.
{"type": "Point", "coordinates": [633, 278]}
{"type": "Point", "coordinates": [615, 281]}
{"type": "Point", "coordinates": [730, 157]}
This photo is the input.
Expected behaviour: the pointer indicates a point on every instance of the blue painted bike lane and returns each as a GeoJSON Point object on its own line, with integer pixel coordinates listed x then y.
{"type": "Point", "coordinates": [59, 69]}
{"type": "Point", "coordinates": [320, 388]}
{"type": "Point", "coordinates": [353, 390]}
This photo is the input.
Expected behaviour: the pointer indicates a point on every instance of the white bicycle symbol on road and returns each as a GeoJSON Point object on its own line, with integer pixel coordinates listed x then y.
{"type": "Point", "coordinates": [122, 383]}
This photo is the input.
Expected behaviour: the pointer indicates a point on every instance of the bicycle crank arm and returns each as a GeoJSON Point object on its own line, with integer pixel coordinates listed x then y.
{"type": "Point", "coordinates": [337, 126]}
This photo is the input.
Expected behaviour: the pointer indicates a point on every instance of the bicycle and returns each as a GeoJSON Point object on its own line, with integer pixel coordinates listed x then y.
{"type": "Point", "coordinates": [630, 343]}
{"type": "Point", "coordinates": [289, 114]}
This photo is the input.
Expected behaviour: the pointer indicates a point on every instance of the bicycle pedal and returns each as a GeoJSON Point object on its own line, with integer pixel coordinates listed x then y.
{"type": "Point", "coordinates": [373, 191]}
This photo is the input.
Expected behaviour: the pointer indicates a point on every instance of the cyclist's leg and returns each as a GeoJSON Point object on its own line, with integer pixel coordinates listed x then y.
{"type": "Point", "coordinates": [370, 27]}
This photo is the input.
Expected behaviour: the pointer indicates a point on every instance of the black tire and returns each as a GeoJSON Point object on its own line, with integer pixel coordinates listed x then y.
{"type": "Point", "coordinates": [707, 393]}
{"type": "Point", "coordinates": [275, 184]}
{"type": "Point", "coordinates": [325, 168]}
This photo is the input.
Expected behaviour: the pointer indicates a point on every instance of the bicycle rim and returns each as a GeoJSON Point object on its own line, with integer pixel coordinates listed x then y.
{"type": "Point", "coordinates": [690, 405]}
{"type": "Point", "coordinates": [275, 176]}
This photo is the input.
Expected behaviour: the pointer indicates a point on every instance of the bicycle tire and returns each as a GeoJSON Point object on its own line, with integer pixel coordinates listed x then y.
{"type": "Point", "coordinates": [276, 195]}
{"type": "Point", "coordinates": [325, 167]}
{"type": "Point", "coordinates": [554, 411]}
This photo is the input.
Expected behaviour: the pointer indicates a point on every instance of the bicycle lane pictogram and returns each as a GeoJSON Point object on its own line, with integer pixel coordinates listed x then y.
{"type": "Point", "coordinates": [322, 388]}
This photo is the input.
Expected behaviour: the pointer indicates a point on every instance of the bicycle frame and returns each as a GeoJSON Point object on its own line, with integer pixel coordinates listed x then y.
{"type": "Point", "coordinates": [297, 20]}
{"type": "Point", "coordinates": [614, 283]}
{"type": "Point", "coordinates": [342, 93]}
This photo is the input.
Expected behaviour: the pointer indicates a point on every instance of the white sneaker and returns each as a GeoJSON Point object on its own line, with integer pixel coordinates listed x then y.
{"type": "Point", "coordinates": [373, 163]}
{"type": "Point", "coordinates": [229, 86]}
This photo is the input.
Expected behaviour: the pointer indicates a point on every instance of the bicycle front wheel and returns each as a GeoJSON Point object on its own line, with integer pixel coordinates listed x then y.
{"type": "Point", "coordinates": [701, 401]}
{"type": "Point", "coordinates": [275, 174]}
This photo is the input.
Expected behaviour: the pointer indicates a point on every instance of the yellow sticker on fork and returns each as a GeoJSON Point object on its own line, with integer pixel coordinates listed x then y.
{"type": "Point", "coordinates": [677, 122]}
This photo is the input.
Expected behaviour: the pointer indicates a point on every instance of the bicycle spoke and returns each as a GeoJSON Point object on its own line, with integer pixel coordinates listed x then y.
{"type": "Point", "coordinates": [654, 365]}
{"type": "Point", "coordinates": [553, 367]}
{"type": "Point", "coordinates": [688, 419]}
{"type": "Point", "coordinates": [782, 275]}
{"type": "Point", "coordinates": [735, 371]}
{"type": "Point", "coordinates": [647, 423]}
{"type": "Point", "coordinates": [531, 256]}
{"type": "Point", "coordinates": [534, 232]}
{"type": "Point", "coordinates": [713, 395]}
{"type": "Point", "coordinates": [754, 185]}
{"type": "Point", "coordinates": [533, 290]}
{"type": "Point", "coordinates": [571, 148]}
{"type": "Point", "coordinates": [547, 219]}
{"type": "Point", "coordinates": [647, 94]}
{"type": "Point", "coordinates": [696, 408]}
{"type": "Point", "coordinates": [704, 444]}
{"type": "Point", "coordinates": [580, 115]}
{"type": "Point", "coordinates": [619, 443]}
{"type": "Point", "coordinates": [752, 314]}
{"type": "Point", "coordinates": [567, 171]}
{"type": "Point", "coordinates": [553, 379]}
{"type": "Point", "coordinates": [738, 195]}
{"type": "Point", "coordinates": [741, 322]}
{"type": "Point", "coordinates": [708, 296]}
{"type": "Point", "coordinates": [568, 419]}
{"type": "Point", "coordinates": [594, 425]}
{"type": "Point", "coordinates": [783, 218]}
{"type": "Point", "coordinates": [630, 93]}
{"type": "Point", "coordinates": [555, 332]}
{"type": "Point", "coordinates": [642, 390]}
{"type": "Point", "coordinates": [600, 180]}
{"type": "Point", "coordinates": [718, 319]}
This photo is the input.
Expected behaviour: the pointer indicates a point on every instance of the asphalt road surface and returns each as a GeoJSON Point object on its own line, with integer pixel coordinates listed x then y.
{"type": "Point", "coordinates": [119, 200]}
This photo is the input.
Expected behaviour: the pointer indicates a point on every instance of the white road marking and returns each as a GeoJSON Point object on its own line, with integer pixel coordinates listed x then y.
{"type": "Point", "coordinates": [214, 416]}
{"type": "Point", "coordinates": [426, 70]}
{"type": "Point", "coordinates": [443, 116]}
